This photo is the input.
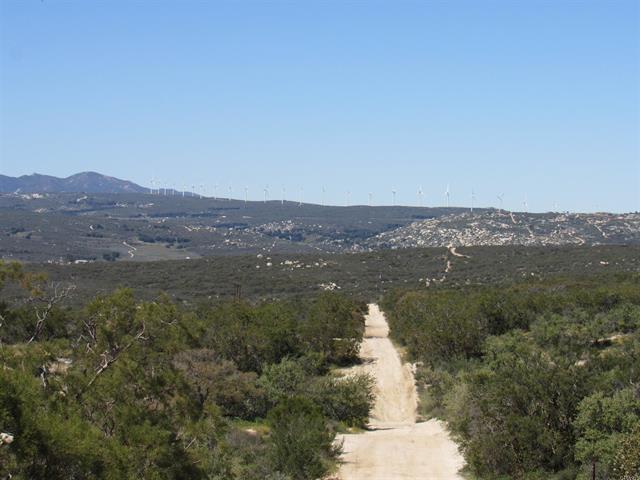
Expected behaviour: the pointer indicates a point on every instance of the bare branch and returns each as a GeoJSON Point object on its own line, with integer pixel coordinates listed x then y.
{"type": "Point", "coordinates": [108, 358]}
{"type": "Point", "coordinates": [60, 292]}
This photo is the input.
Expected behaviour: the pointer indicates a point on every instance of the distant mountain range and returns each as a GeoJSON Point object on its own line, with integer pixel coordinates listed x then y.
{"type": "Point", "coordinates": [85, 182]}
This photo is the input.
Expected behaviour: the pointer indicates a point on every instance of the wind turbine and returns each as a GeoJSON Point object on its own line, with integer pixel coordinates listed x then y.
{"type": "Point", "coordinates": [393, 197]}
{"type": "Point", "coordinates": [184, 189]}
{"type": "Point", "coordinates": [201, 190]}
{"type": "Point", "coordinates": [473, 197]}
{"type": "Point", "coordinates": [525, 204]}
{"type": "Point", "coordinates": [500, 199]}
{"type": "Point", "coordinates": [283, 194]}
{"type": "Point", "coordinates": [230, 192]}
{"type": "Point", "coordinates": [301, 193]}
{"type": "Point", "coordinates": [266, 193]}
{"type": "Point", "coordinates": [246, 195]}
{"type": "Point", "coordinates": [420, 193]}
{"type": "Point", "coordinates": [348, 198]}
{"type": "Point", "coordinates": [215, 191]}
{"type": "Point", "coordinates": [370, 199]}
{"type": "Point", "coordinates": [447, 193]}
{"type": "Point", "coordinates": [323, 192]}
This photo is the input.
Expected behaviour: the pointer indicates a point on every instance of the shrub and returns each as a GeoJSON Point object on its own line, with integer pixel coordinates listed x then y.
{"type": "Point", "coordinates": [603, 425]}
{"type": "Point", "coordinates": [282, 380]}
{"type": "Point", "coordinates": [301, 443]}
{"type": "Point", "coordinates": [348, 400]}
{"type": "Point", "coordinates": [220, 382]}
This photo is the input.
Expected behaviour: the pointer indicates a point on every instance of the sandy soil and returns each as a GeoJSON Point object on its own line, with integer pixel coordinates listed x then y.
{"type": "Point", "coordinates": [395, 446]}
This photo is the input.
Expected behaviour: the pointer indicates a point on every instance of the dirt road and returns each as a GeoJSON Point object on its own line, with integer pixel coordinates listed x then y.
{"type": "Point", "coordinates": [452, 251]}
{"type": "Point", "coordinates": [395, 446]}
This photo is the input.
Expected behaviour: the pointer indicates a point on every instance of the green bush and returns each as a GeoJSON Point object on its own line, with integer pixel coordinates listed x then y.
{"type": "Point", "coordinates": [284, 380]}
{"type": "Point", "coordinates": [348, 400]}
{"type": "Point", "coordinates": [220, 382]}
{"type": "Point", "coordinates": [301, 442]}
{"type": "Point", "coordinates": [603, 425]}
{"type": "Point", "coordinates": [535, 371]}
{"type": "Point", "coordinates": [144, 389]}
{"type": "Point", "coordinates": [440, 330]}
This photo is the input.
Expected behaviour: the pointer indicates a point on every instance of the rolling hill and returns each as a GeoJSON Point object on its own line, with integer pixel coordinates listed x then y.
{"type": "Point", "coordinates": [497, 227]}
{"type": "Point", "coordinates": [84, 182]}
{"type": "Point", "coordinates": [85, 227]}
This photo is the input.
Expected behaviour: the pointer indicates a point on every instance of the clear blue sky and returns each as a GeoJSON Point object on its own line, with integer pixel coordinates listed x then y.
{"type": "Point", "coordinates": [535, 98]}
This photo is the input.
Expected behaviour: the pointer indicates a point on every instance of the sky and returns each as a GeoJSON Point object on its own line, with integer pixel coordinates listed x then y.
{"type": "Point", "coordinates": [536, 100]}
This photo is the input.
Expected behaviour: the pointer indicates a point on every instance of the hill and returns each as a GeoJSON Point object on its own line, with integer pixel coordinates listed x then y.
{"type": "Point", "coordinates": [86, 182]}
{"type": "Point", "coordinates": [493, 227]}
{"type": "Point", "coordinates": [73, 227]}
{"type": "Point", "coordinates": [68, 227]}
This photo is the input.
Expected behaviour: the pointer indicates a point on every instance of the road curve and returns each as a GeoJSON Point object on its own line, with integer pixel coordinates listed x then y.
{"type": "Point", "coordinates": [395, 446]}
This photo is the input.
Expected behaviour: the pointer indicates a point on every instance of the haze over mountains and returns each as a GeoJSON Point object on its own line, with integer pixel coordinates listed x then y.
{"type": "Point", "coordinates": [87, 182]}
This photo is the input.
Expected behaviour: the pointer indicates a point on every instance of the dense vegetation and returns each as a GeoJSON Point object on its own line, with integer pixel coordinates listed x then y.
{"type": "Point", "coordinates": [538, 375]}
{"type": "Point", "coordinates": [128, 389]}
{"type": "Point", "coordinates": [538, 380]}
{"type": "Point", "coordinates": [363, 274]}
{"type": "Point", "coordinates": [189, 227]}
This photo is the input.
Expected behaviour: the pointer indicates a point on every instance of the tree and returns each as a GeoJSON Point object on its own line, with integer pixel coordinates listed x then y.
{"type": "Point", "coordinates": [38, 300]}
{"type": "Point", "coordinates": [126, 385]}
{"type": "Point", "coordinates": [51, 441]}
